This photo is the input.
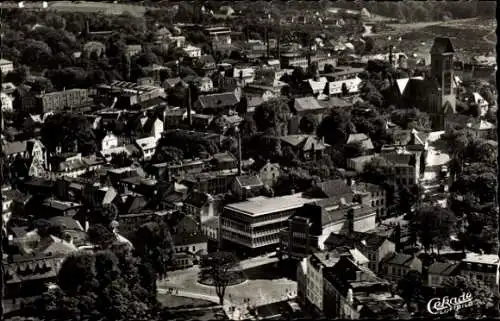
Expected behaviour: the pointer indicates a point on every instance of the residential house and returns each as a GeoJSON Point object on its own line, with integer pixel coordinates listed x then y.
{"type": "Point", "coordinates": [245, 186]}
{"type": "Point", "coordinates": [73, 165]}
{"type": "Point", "coordinates": [128, 223]}
{"type": "Point", "coordinates": [27, 274]}
{"type": "Point", "coordinates": [316, 86]}
{"type": "Point", "coordinates": [216, 103]}
{"type": "Point", "coordinates": [312, 225]}
{"type": "Point", "coordinates": [254, 225]}
{"type": "Point", "coordinates": [205, 65]}
{"type": "Point", "coordinates": [439, 272]}
{"type": "Point", "coordinates": [147, 147]}
{"type": "Point", "coordinates": [406, 165]}
{"type": "Point", "coordinates": [371, 195]}
{"type": "Point", "coordinates": [130, 94]}
{"type": "Point", "coordinates": [173, 117]}
{"type": "Point", "coordinates": [219, 36]}
{"type": "Point", "coordinates": [482, 128]}
{"type": "Point", "coordinates": [262, 91]}
{"type": "Point", "coordinates": [307, 147]}
{"type": "Point", "coordinates": [188, 249]}
{"type": "Point", "coordinates": [205, 85]}
{"type": "Point", "coordinates": [345, 78]}
{"type": "Point", "coordinates": [482, 267]}
{"type": "Point", "coordinates": [210, 228]}
{"type": "Point", "coordinates": [192, 51]}
{"type": "Point", "coordinates": [308, 106]}
{"type": "Point", "coordinates": [269, 173]}
{"type": "Point", "coordinates": [6, 66]}
{"type": "Point", "coordinates": [374, 247]}
{"type": "Point", "coordinates": [224, 161]}
{"type": "Point", "coordinates": [213, 183]}
{"type": "Point", "coordinates": [178, 169]}
{"type": "Point", "coordinates": [201, 121]}
{"type": "Point", "coordinates": [32, 152]}
{"type": "Point", "coordinates": [364, 142]}
{"type": "Point", "coordinates": [7, 199]}
{"type": "Point", "coordinates": [200, 205]}
{"type": "Point", "coordinates": [353, 292]}
{"type": "Point", "coordinates": [60, 100]}
{"type": "Point", "coordinates": [53, 207]}
{"type": "Point", "coordinates": [334, 189]}
{"type": "Point", "coordinates": [316, 264]}
{"type": "Point", "coordinates": [7, 102]}
{"type": "Point", "coordinates": [133, 50]}
{"type": "Point", "coordinates": [171, 83]}
{"type": "Point", "coordinates": [150, 126]}
{"type": "Point", "coordinates": [109, 141]}
{"type": "Point", "coordinates": [358, 163]}
{"type": "Point", "coordinates": [395, 266]}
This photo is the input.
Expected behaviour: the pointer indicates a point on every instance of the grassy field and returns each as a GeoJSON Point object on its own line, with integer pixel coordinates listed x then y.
{"type": "Point", "coordinates": [172, 301]}
{"type": "Point", "coordinates": [84, 6]}
{"type": "Point", "coordinates": [469, 36]}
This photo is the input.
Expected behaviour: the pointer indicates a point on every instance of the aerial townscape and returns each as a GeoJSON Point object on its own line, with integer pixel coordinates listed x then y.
{"type": "Point", "coordinates": [211, 160]}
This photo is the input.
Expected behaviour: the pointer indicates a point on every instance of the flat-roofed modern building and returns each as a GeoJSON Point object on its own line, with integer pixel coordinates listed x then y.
{"type": "Point", "coordinates": [255, 224]}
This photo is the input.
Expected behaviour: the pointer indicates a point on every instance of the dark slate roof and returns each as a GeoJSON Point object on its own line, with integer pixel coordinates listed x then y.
{"type": "Point", "coordinates": [333, 188]}
{"type": "Point", "coordinates": [249, 180]}
{"type": "Point", "coordinates": [401, 159]}
{"type": "Point", "coordinates": [399, 259]}
{"type": "Point", "coordinates": [442, 45]}
{"type": "Point", "coordinates": [307, 103]}
{"type": "Point", "coordinates": [443, 268]}
{"type": "Point", "coordinates": [218, 100]}
{"type": "Point", "coordinates": [67, 223]}
{"type": "Point", "coordinates": [360, 240]}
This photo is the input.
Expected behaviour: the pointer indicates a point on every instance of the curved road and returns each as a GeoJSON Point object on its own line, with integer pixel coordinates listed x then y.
{"type": "Point", "coordinates": [256, 291]}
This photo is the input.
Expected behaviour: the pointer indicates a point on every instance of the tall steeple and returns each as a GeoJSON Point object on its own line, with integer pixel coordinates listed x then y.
{"type": "Point", "coordinates": [442, 53]}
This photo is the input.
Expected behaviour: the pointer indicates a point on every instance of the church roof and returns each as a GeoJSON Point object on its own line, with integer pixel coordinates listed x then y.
{"type": "Point", "coordinates": [442, 45]}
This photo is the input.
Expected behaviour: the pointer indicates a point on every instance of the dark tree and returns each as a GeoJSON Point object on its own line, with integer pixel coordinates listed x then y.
{"type": "Point", "coordinates": [63, 129]}
{"type": "Point", "coordinates": [154, 244]}
{"type": "Point", "coordinates": [410, 287]}
{"type": "Point", "coordinates": [101, 236]}
{"type": "Point", "coordinates": [272, 117]}
{"type": "Point", "coordinates": [220, 267]}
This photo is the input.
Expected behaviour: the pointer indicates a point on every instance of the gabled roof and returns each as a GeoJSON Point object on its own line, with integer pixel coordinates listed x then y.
{"type": "Point", "coordinates": [218, 100]}
{"type": "Point", "coordinates": [307, 103]}
{"type": "Point", "coordinates": [365, 141]}
{"type": "Point", "coordinates": [403, 82]}
{"type": "Point", "coordinates": [361, 240]}
{"type": "Point", "coordinates": [443, 268]}
{"type": "Point", "coordinates": [334, 188]}
{"type": "Point", "coordinates": [317, 85]}
{"type": "Point", "coordinates": [400, 259]}
{"type": "Point", "coordinates": [442, 45]}
{"type": "Point", "coordinates": [249, 180]}
{"type": "Point", "coordinates": [305, 142]}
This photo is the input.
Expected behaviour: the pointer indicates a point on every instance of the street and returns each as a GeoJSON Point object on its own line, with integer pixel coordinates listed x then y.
{"type": "Point", "coordinates": [253, 292]}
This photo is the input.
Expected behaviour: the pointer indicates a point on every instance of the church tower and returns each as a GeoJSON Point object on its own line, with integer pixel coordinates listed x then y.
{"type": "Point", "coordinates": [442, 53]}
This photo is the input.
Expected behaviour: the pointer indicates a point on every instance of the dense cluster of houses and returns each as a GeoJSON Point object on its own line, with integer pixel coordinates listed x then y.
{"type": "Point", "coordinates": [347, 248]}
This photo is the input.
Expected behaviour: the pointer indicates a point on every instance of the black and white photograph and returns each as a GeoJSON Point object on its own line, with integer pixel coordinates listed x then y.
{"type": "Point", "coordinates": [248, 160]}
